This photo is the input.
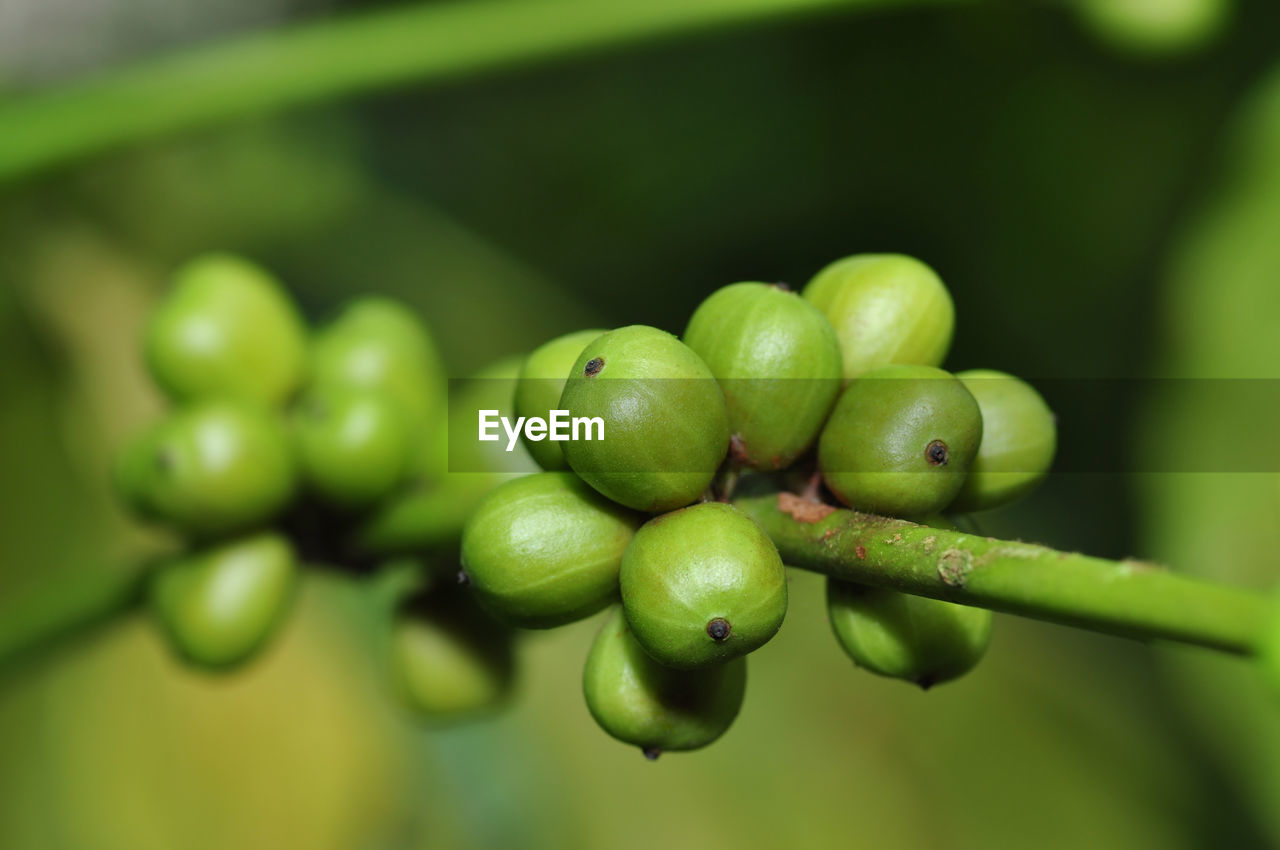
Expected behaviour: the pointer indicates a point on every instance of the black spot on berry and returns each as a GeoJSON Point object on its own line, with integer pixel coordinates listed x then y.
{"type": "Point", "coordinates": [463, 578]}
{"type": "Point", "coordinates": [719, 628]}
{"type": "Point", "coordinates": [594, 365]}
{"type": "Point", "coordinates": [652, 753]}
{"type": "Point", "coordinates": [937, 453]}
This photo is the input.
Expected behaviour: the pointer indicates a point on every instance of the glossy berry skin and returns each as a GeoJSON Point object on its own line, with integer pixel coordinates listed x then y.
{"type": "Point", "coordinates": [545, 549]}
{"type": "Point", "coordinates": [219, 605]}
{"type": "Point", "coordinates": [214, 468]}
{"type": "Point", "coordinates": [450, 660]}
{"type": "Point", "coordinates": [1019, 438]}
{"type": "Point", "coordinates": [429, 509]}
{"type": "Point", "coordinates": [379, 345]}
{"type": "Point", "coordinates": [666, 427]}
{"type": "Point", "coordinates": [886, 309]}
{"type": "Point", "coordinates": [541, 383]}
{"type": "Point", "coordinates": [900, 441]}
{"type": "Point", "coordinates": [353, 446]}
{"type": "Point", "coordinates": [702, 585]}
{"type": "Point", "coordinates": [925, 641]}
{"type": "Point", "coordinates": [778, 362]}
{"type": "Point", "coordinates": [640, 702]}
{"type": "Point", "coordinates": [226, 329]}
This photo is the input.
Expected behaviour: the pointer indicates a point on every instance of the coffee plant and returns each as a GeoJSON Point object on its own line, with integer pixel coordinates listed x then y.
{"type": "Point", "coordinates": [814, 429]}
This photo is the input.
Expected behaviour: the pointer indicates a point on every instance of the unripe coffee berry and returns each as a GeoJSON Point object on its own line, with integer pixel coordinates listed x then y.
{"type": "Point", "coordinates": [219, 605]}
{"type": "Point", "coordinates": [213, 468]}
{"type": "Point", "coordinates": [900, 441]}
{"type": "Point", "coordinates": [428, 510]}
{"type": "Point", "coordinates": [702, 585]}
{"type": "Point", "coordinates": [885, 308]}
{"type": "Point", "coordinates": [640, 702]}
{"type": "Point", "coordinates": [541, 383]}
{"type": "Point", "coordinates": [226, 329]}
{"type": "Point", "coordinates": [778, 362]}
{"type": "Point", "coordinates": [1019, 438]}
{"type": "Point", "coordinates": [380, 345]}
{"type": "Point", "coordinates": [545, 549]}
{"type": "Point", "coordinates": [925, 641]}
{"type": "Point", "coordinates": [666, 428]}
{"type": "Point", "coordinates": [354, 446]}
{"type": "Point", "coordinates": [450, 659]}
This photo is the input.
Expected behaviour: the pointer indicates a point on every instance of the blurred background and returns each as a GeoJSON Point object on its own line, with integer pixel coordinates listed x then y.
{"type": "Point", "coordinates": [1097, 182]}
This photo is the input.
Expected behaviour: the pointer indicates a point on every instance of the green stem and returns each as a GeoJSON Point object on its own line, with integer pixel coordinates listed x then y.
{"type": "Point", "coordinates": [329, 59]}
{"type": "Point", "coordinates": [1127, 598]}
{"type": "Point", "coordinates": [61, 610]}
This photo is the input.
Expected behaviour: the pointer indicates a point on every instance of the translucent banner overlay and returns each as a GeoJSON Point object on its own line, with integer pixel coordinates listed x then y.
{"type": "Point", "coordinates": [1104, 426]}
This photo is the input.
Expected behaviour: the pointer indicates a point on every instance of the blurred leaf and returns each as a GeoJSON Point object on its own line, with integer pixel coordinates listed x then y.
{"type": "Point", "coordinates": [1224, 299]}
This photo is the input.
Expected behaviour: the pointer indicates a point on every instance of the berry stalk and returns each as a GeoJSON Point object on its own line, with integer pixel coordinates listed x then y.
{"type": "Point", "coordinates": [1127, 598]}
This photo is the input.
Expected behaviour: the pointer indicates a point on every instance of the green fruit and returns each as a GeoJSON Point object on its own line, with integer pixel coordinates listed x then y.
{"type": "Point", "coordinates": [778, 362]}
{"type": "Point", "coordinates": [1019, 438]}
{"type": "Point", "coordinates": [456, 472]}
{"type": "Point", "coordinates": [450, 660]}
{"type": "Point", "coordinates": [544, 550]}
{"type": "Point", "coordinates": [666, 428]}
{"type": "Point", "coordinates": [640, 702]}
{"type": "Point", "coordinates": [354, 446]}
{"type": "Point", "coordinates": [886, 308]}
{"type": "Point", "coordinates": [702, 585]}
{"type": "Point", "coordinates": [542, 380]}
{"type": "Point", "coordinates": [220, 605]}
{"type": "Point", "coordinates": [226, 329]}
{"type": "Point", "coordinates": [926, 641]}
{"type": "Point", "coordinates": [380, 345]}
{"type": "Point", "coordinates": [214, 468]}
{"type": "Point", "coordinates": [900, 441]}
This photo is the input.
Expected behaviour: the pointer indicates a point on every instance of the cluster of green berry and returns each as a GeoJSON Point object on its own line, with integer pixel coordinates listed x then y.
{"type": "Point", "coordinates": [762, 376]}
{"type": "Point", "coordinates": [275, 436]}
{"type": "Point", "coordinates": [343, 436]}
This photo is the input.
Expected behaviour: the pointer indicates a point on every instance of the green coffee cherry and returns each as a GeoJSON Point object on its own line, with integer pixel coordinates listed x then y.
{"type": "Point", "coordinates": [431, 508]}
{"type": "Point", "coordinates": [544, 550]}
{"type": "Point", "coordinates": [380, 345]}
{"type": "Point", "coordinates": [214, 468]}
{"type": "Point", "coordinates": [1019, 438]}
{"type": "Point", "coordinates": [219, 605]}
{"type": "Point", "coordinates": [666, 428]}
{"type": "Point", "coordinates": [900, 441]}
{"type": "Point", "coordinates": [886, 308]}
{"type": "Point", "coordinates": [451, 660]}
{"type": "Point", "coordinates": [640, 702]}
{"type": "Point", "coordinates": [926, 641]}
{"type": "Point", "coordinates": [777, 360]}
{"type": "Point", "coordinates": [354, 446]}
{"type": "Point", "coordinates": [226, 329]}
{"type": "Point", "coordinates": [702, 585]}
{"type": "Point", "coordinates": [542, 380]}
